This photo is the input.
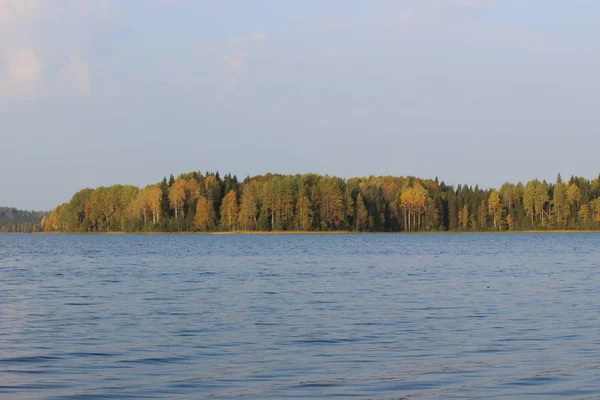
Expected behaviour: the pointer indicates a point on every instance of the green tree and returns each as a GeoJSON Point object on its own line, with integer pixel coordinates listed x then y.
{"type": "Point", "coordinates": [361, 214]}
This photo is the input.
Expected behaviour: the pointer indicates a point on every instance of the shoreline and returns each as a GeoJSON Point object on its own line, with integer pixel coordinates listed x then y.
{"type": "Point", "coordinates": [277, 233]}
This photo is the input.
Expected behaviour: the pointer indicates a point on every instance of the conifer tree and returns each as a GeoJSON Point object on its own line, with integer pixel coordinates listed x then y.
{"type": "Point", "coordinates": [361, 214]}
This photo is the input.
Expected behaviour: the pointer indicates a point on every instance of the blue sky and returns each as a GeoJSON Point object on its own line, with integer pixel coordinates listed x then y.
{"type": "Point", "coordinates": [98, 92]}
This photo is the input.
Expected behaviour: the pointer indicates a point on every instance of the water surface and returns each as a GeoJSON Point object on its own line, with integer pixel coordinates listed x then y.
{"type": "Point", "coordinates": [298, 317]}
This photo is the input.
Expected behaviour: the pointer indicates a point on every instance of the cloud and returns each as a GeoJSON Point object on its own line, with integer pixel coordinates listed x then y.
{"type": "Point", "coordinates": [77, 74]}
{"type": "Point", "coordinates": [26, 11]}
{"type": "Point", "coordinates": [238, 49]}
{"type": "Point", "coordinates": [19, 11]}
{"type": "Point", "coordinates": [22, 73]}
{"type": "Point", "coordinates": [20, 64]}
{"type": "Point", "coordinates": [22, 28]}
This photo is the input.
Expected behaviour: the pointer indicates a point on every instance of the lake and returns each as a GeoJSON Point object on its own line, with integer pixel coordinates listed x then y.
{"type": "Point", "coordinates": [296, 317]}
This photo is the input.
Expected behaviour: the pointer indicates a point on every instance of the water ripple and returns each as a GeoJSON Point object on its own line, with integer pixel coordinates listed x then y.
{"type": "Point", "coordinates": [299, 317]}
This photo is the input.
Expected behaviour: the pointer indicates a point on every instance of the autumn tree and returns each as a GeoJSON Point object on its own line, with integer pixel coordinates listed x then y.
{"type": "Point", "coordinates": [595, 209]}
{"type": "Point", "coordinates": [584, 215]}
{"type": "Point", "coordinates": [330, 202]}
{"type": "Point", "coordinates": [304, 215]}
{"type": "Point", "coordinates": [413, 201]}
{"type": "Point", "coordinates": [205, 215]}
{"type": "Point", "coordinates": [248, 216]}
{"type": "Point", "coordinates": [311, 201]}
{"type": "Point", "coordinates": [277, 197]}
{"type": "Point", "coordinates": [463, 218]}
{"type": "Point", "coordinates": [177, 197]}
{"type": "Point", "coordinates": [574, 196]}
{"type": "Point", "coordinates": [140, 206]}
{"type": "Point", "coordinates": [229, 211]}
{"type": "Point", "coordinates": [561, 204]}
{"type": "Point", "coordinates": [495, 208]}
{"type": "Point", "coordinates": [192, 191]}
{"type": "Point", "coordinates": [154, 197]}
{"type": "Point", "coordinates": [535, 197]}
{"type": "Point", "coordinates": [541, 198]}
{"type": "Point", "coordinates": [510, 222]}
{"type": "Point", "coordinates": [510, 195]}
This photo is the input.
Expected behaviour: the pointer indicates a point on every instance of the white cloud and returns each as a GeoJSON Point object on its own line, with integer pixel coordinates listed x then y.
{"type": "Point", "coordinates": [20, 64]}
{"type": "Point", "coordinates": [19, 11]}
{"type": "Point", "coordinates": [77, 74]}
{"type": "Point", "coordinates": [238, 49]}
{"type": "Point", "coordinates": [22, 73]}
{"type": "Point", "coordinates": [27, 11]}
{"type": "Point", "coordinates": [21, 31]}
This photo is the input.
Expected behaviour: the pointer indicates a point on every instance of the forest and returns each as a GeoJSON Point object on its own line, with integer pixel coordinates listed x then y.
{"type": "Point", "coordinates": [196, 202]}
{"type": "Point", "coordinates": [14, 220]}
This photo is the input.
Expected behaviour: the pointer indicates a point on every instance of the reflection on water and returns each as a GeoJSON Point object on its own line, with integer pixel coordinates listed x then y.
{"type": "Point", "coordinates": [364, 316]}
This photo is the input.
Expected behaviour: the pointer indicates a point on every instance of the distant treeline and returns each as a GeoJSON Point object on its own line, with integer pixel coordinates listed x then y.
{"type": "Point", "coordinates": [207, 202]}
{"type": "Point", "coordinates": [13, 220]}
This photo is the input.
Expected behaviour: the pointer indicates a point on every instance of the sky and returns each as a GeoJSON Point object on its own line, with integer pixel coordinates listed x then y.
{"type": "Point", "coordinates": [100, 92]}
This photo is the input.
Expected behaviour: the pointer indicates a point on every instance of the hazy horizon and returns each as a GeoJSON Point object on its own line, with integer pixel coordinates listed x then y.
{"type": "Point", "coordinates": [100, 92]}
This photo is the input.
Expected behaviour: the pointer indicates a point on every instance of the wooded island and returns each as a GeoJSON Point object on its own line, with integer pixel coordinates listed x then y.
{"type": "Point", "coordinates": [196, 202]}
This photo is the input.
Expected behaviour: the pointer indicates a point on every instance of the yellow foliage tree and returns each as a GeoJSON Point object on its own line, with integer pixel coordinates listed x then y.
{"type": "Point", "coordinates": [560, 202]}
{"type": "Point", "coordinates": [304, 214]}
{"type": "Point", "coordinates": [229, 211]}
{"type": "Point", "coordinates": [413, 201]}
{"type": "Point", "coordinates": [177, 196]}
{"type": "Point", "coordinates": [574, 194]}
{"type": "Point", "coordinates": [510, 222]}
{"type": "Point", "coordinates": [192, 190]}
{"type": "Point", "coordinates": [331, 204]}
{"type": "Point", "coordinates": [495, 208]}
{"type": "Point", "coordinates": [584, 214]}
{"type": "Point", "coordinates": [248, 208]}
{"type": "Point", "coordinates": [463, 218]}
{"type": "Point", "coordinates": [205, 215]}
{"type": "Point", "coordinates": [155, 196]}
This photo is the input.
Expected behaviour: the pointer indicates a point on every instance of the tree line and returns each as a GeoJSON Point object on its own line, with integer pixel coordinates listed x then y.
{"type": "Point", "coordinates": [22, 221]}
{"type": "Point", "coordinates": [196, 202]}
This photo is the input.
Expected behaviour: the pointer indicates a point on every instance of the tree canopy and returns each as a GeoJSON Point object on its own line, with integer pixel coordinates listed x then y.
{"type": "Point", "coordinates": [272, 202]}
{"type": "Point", "coordinates": [14, 220]}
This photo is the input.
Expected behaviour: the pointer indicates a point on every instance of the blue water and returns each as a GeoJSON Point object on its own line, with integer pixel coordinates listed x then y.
{"type": "Point", "coordinates": [297, 317]}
